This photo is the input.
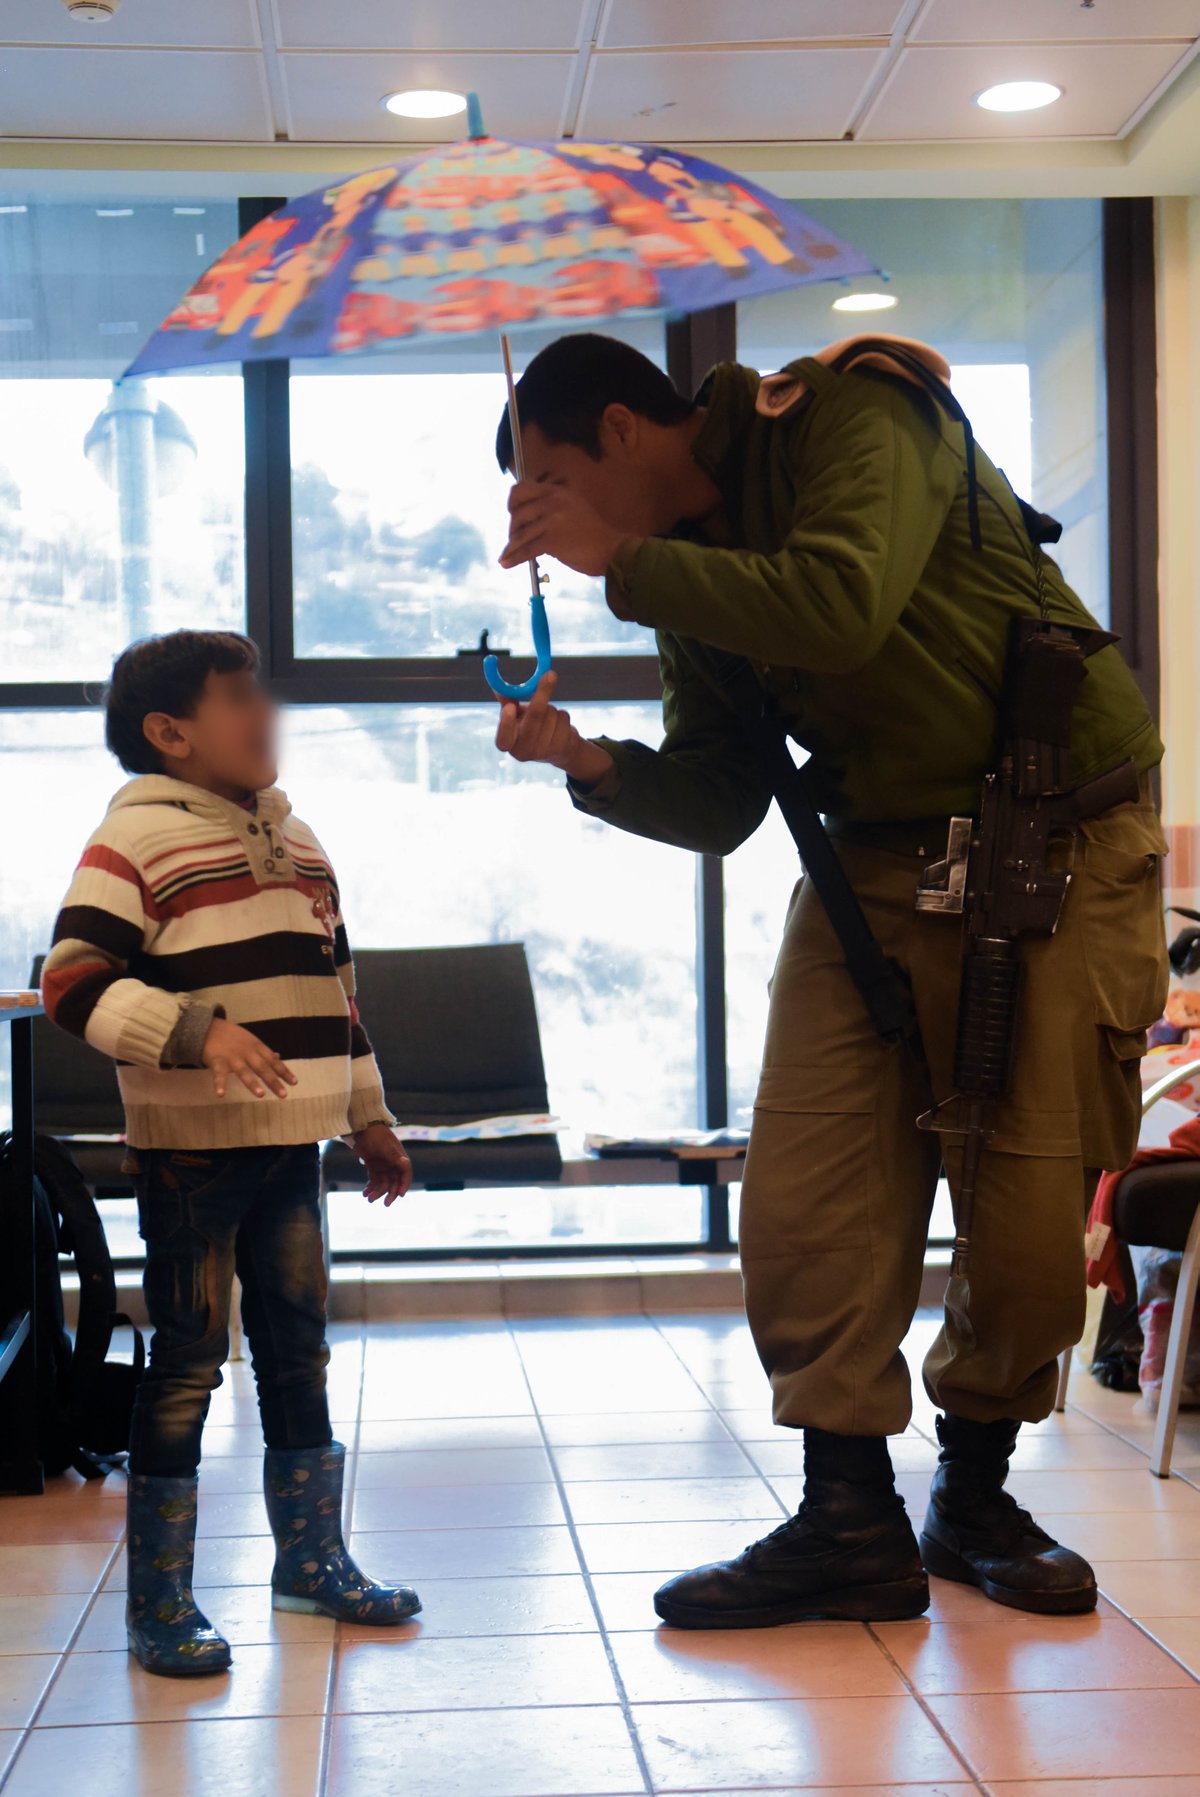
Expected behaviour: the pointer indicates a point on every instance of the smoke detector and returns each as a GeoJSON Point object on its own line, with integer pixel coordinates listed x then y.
{"type": "Point", "coordinates": [92, 12]}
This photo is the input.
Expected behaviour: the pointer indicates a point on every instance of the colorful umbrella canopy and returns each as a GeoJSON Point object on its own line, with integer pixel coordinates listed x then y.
{"type": "Point", "coordinates": [486, 235]}
{"type": "Point", "coordinates": [490, 235]}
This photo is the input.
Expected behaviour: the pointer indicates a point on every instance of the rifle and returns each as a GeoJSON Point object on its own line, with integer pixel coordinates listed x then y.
{"type": "Point", "coordinates": [1002, 873]}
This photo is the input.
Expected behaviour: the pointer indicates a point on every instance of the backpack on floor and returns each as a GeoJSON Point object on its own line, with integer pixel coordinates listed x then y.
{"type": "Point", "coordinates": [85, 1401]}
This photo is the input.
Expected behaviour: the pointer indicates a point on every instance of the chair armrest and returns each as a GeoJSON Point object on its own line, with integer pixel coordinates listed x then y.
{"type": "Point", "coordinates": [1163, 1087]}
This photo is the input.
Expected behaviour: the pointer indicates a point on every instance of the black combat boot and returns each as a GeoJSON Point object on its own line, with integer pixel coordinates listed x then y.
{"type": "Point", "coordinates": [848, 1555]}
{"type": "Point", "coordinates": [976, 1532]}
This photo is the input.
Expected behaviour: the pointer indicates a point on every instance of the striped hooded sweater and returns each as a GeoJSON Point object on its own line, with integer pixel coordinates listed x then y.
{"type": "Point", "coordinates": [184, 907]}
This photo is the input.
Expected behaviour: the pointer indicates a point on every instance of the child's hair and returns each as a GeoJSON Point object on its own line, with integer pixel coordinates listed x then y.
{"type": "Point", "coordinates": [166, 673]}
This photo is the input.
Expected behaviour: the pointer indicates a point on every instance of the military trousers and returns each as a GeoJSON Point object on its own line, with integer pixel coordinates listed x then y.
{"type": "Point", "coordinates": [840, 1182]}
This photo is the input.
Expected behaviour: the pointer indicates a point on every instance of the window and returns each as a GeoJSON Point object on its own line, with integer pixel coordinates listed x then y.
{"type": "Point", "coordinates": [1011, 293]}
{"type": "Point", "coordinates": [120, 506]}
{"type": "Point", "coordinates": [399, 513]}
{"type": "Point", "coordinates": [57, 778]}
{"type": "Point", "coordinates": [437, 841]}
{"type": "Point", "coordinates": [394, 556]}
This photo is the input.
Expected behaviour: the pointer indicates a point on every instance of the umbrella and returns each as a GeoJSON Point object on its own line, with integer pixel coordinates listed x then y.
{"type": "Point", "coordinates": [490, 235]}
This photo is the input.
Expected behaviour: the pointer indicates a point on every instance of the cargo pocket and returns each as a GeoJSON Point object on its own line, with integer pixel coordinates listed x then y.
{"type": "Point", "coordinates": [1124, 939]}
{"type": "Point", "coordinates": [810, 1163]}
{"type": "Point", "coordinates": [1123, 931]}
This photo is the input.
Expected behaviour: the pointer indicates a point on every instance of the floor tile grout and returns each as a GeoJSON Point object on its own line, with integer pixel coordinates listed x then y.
{"type": "Point", "coordinates": [38, 1708]}
{"type": "Point", "coordinates": [925, 1708]}
{"type": "Point", "coordinates": [585, 1571]}
{"type": "Point", "coordinates": [349, 1500]}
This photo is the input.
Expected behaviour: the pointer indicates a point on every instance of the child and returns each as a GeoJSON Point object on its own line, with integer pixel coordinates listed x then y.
{"type": "Point", "coordinates": [201, 945]}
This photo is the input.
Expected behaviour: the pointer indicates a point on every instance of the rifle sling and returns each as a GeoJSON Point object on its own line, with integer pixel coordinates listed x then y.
{"type": "Point", "coordinates": [882, 982]}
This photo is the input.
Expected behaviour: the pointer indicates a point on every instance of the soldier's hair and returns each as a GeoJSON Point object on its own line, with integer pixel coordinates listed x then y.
{"type": "Point", "coordinates": [567, 386]}
{"type": "Point", "coordinates": [166, 673]}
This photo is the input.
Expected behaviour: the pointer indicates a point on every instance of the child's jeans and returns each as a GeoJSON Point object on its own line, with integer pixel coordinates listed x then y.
{"type": "Point", "coordinates": [202, 1216]}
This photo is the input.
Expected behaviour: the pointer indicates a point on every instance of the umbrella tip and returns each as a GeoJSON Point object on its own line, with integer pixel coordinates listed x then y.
{"type": "Point", "coordinates": [475, 126]}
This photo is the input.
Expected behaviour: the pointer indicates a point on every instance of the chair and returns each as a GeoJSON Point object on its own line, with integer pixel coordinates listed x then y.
{"type": "Point", "coordinates": [455, 1033]}
{"type": "Point", "coordinates": [76, 1099]}
{"type": "Point", "coordinates": [1159, 1207]}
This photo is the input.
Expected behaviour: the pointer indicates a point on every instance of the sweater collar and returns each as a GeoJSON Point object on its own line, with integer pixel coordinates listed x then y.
{"type": "Point", "coordinates": [161, 789]}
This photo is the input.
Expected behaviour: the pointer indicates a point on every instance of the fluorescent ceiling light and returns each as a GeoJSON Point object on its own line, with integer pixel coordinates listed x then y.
{"type": "Point", "coordinates": [865, 302]}
{"type": "Point", "coordinates": [114, 212]}
{"type": "Point", "coordinates": [1018, 96]}
{"type": "Point", "coordinates": [189, 211]}
{"type": "Point", "coordinates": [14, 209]}
{"type": "Point", "coordinates": [425, 103]}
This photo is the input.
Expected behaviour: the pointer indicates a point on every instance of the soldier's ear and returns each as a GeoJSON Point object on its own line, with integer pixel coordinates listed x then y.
{"type": "Point", "coordinates": [620, 430]}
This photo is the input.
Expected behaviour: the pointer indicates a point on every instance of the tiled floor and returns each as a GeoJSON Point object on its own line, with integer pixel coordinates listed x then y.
{"type": "Point", "coordinates": [538, 1479]}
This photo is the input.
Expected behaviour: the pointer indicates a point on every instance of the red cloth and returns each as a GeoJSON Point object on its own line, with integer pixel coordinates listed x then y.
{"type": "Point", "coordinates": [1102, 1266]}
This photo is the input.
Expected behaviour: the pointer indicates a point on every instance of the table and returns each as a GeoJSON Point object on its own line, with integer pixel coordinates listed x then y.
{"type": "Point", "coordinates": [20, 1465]}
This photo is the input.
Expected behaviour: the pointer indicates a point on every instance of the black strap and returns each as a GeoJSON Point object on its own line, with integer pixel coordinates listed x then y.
{"type": "Point", "coordinates": [938, 390]}
{"type": "Point", "coordinates": [884, 985]}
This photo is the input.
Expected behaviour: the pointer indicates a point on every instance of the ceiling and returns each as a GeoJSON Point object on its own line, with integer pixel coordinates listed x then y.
{"type": "Point", "coordinates": [686, 71]}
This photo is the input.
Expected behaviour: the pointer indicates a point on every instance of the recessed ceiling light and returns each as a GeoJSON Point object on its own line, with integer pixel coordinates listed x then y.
{"type": "Point", "coordinates": [425, 103]}
{"type": "Point", "coordinates": [1018, 96]}
{"type": "Point", "coordinates": [92, 12]}
{"type": "Point", "coordinates": [865, 302]}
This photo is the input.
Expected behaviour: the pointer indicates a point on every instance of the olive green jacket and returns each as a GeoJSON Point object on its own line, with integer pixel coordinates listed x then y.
{"type": "Point", "coordinates": [878, 630]}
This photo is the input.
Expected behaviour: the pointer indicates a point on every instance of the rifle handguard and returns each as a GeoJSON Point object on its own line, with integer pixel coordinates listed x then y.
{"type": "Point", "coordinates": [987, 1019]}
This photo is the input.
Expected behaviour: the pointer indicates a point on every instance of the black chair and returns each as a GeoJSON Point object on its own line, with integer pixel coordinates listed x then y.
{"type": "Point", "coordinates": [76, 1099]}
{"type": "Point", "coordinates": [456, 1035]}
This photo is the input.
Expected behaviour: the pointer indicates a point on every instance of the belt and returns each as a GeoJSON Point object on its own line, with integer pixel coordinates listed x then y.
{"type": "Point", "coordinates": [920, 838]}
{"type": "Point", "coordinates": [924, 837]}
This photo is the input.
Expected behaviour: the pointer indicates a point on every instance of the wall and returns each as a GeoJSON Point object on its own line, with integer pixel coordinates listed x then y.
{"type": "Point", "coordinates": [1178, 256]}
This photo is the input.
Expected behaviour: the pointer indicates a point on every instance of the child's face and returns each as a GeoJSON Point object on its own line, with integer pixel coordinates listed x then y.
{"type": "Point", "coordinates": [229, 744]}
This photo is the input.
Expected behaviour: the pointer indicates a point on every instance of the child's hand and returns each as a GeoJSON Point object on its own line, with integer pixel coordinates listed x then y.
{"type": "Point", "coordinates": [228, 1048]}
{"type": "Point", "coordinates": [389, 1170]}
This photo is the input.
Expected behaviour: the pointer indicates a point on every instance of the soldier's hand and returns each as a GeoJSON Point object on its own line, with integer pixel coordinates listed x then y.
{"type": "Point", "coordinates": [549, 519]}
{"type": "Point", "coordinates": [229, 1049]}
{"type": "Point", "coordinates": [540, 731]}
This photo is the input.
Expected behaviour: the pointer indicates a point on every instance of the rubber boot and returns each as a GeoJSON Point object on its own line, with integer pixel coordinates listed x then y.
{"type": "Point", "coordinates": [164, 1628]}
{"type": "Point", "coordinates": [313, 1571]}
{"type": "Point", "coordinates": [849, 1553]}
{"type": "Point", "coordinates": [976, 1533]}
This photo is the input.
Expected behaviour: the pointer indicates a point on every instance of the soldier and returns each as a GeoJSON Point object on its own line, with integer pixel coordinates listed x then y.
{"type": "Point", "coordinates": [827, 525]}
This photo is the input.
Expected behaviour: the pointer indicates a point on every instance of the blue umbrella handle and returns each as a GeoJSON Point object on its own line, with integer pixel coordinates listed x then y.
{"type": "Point", "coordinates": [507, 689]}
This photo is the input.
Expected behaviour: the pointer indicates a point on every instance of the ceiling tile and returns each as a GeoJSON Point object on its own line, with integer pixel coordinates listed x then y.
{"type": "Point", "coordinates": [644, 24]}
{"type": "Point", "coordinates": [430, 25]}
{"type": "Point", "coordinates": [167, 94]}
{"type": "Point", "coordinates": [156, 24]}
{"type": "Point", "coordinates": [706, 96]}
{"type": "Point", "coordinates": [929, 95]}
{"type": "Point", "coordinates": [1035, 21]}
{"type": "Point", "coordinates": [337, 98]}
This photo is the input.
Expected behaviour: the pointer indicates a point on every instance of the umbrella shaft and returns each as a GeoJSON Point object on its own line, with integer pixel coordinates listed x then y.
{"type": "Point", "coordinates": [514, 424]}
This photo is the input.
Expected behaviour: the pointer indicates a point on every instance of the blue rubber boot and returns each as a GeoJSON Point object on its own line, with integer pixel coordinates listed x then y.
{"type": "Point", "coordinates": [164, 1628]}
{"type": "Point", "coordinates": [313, 1571]}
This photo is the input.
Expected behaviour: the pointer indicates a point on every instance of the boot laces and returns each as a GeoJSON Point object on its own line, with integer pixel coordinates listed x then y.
{"type": "Point", "coordinates": [1016, 1523]}
{"type": "Point", "coordinates": [803, 1521]}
